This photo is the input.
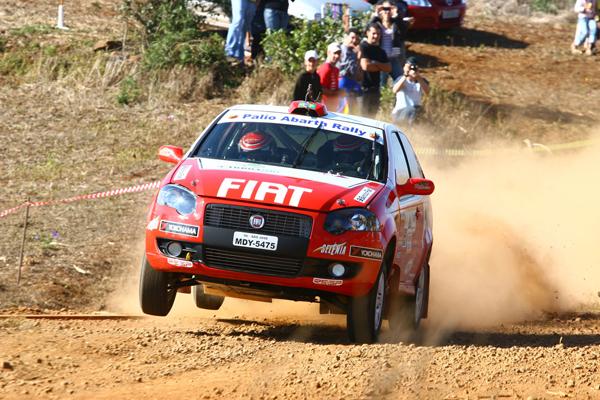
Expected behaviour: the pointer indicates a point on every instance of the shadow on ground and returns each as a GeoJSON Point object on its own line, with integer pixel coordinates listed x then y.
{"type": "Point", "coordinates": [327, 334]}
{"type": "Point", "coordinates": [466, 37]}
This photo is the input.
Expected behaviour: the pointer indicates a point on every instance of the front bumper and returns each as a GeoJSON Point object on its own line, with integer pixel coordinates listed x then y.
{"type": "Point", "coordinates": [298, 263]}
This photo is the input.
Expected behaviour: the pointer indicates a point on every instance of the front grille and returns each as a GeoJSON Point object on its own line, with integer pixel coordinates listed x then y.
{"type": "Point", "coordinates": [252, 263]}
{"type": "Point", "coordinates": [276, 222]}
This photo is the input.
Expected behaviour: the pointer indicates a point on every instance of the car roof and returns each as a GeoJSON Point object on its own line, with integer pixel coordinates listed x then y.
{"type": "Point", "coordinates": [330, 115]}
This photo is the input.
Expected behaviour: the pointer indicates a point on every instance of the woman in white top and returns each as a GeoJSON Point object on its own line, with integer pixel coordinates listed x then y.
{"type": "Point", "coordinates": [409, 90]}
{"type": "Point", "coordinates": [394, 26]}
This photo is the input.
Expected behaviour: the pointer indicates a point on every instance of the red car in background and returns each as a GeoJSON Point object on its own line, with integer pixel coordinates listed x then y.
{"type": "Point", "coordinates": [436, 14]}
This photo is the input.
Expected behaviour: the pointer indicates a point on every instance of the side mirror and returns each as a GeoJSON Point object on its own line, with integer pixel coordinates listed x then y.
{"type": "Point", "coordinates": [170, 154]}
{"type": "Point", "coordinates": [418, 186]}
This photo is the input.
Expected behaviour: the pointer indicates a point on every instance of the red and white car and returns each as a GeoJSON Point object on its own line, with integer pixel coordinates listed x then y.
{"type": "Point", "coordinates": [294, 203]}
{"type": "Point", "coordinates": [437, 14]}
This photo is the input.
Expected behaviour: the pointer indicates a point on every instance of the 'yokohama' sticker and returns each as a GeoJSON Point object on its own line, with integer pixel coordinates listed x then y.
{"type": "Point", "coordinates": [180, 229]}
{"type": "Point", "coordinates": [365, 252]}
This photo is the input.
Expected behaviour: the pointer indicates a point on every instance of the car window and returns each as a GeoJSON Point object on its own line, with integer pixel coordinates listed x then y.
{"type": "Point", "coordinates": [398, 159]}
{"type": "Point", "coordinates": [303, 147]}
{"type": "Point", "coordinates": [413, 163]}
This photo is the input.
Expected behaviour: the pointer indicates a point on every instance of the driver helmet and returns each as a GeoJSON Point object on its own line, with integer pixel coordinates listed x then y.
{"type": "Point", "coordinates": [348, 149]}
{"type": "Point", "coordinates": [256, 145]}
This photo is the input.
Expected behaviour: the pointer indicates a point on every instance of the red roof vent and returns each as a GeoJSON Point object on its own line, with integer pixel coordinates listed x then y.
{"type": "Point", "coordinates": [307, 108]}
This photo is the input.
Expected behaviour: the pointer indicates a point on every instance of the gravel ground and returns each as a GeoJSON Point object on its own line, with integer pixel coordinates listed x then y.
{"type": "Point", "coordinates": [246, 357]}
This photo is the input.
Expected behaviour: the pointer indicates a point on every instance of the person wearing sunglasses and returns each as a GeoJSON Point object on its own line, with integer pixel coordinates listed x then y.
{"type": "Point", "coordinates": [394, 26]}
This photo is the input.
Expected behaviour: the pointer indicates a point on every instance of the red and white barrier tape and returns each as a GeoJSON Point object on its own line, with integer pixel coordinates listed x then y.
{"type": "Point", "coordinates": [98, 195]}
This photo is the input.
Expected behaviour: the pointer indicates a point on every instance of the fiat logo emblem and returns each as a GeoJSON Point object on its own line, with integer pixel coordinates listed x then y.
{"type": "Point", "coordinates": [257, 221]}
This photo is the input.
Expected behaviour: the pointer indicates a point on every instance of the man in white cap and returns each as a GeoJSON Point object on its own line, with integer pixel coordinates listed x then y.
{"type": "Point", "coordinates": [330, 74]}
{"type": "Point", "coordinates": [308, 77]}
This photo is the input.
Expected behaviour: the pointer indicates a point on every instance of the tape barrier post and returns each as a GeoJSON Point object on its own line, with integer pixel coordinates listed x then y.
{"type": "Point", "coordinates": [60, 19]}
{"type": "Point", "coordinates": [23, 241]}
{"type": "Point", "coordinates": [98, 195]}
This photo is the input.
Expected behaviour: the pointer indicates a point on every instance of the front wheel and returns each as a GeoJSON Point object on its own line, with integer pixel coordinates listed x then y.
{"type": "Point", "coordinates": [406, 313]}
{"type": "Point", "coordinates": [365, 313]}
{"type": "Point", "coordinates": [157, 293]}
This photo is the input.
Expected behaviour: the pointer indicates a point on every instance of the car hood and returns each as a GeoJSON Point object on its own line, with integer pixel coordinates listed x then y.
{"type": "Point", "coordinates": [273, 185]}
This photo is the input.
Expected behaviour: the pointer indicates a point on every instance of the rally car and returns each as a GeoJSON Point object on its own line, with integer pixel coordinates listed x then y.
{"type": "Point", "coordinates": [294, 203]}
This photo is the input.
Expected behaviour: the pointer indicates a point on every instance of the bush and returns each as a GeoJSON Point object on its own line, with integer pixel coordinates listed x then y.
{"type": "Point", "coordinates": [286, 50]}
{"type": "Point", "coordinates": [129, 91]}
{"type": "Point", "coordinates": [175, 35]}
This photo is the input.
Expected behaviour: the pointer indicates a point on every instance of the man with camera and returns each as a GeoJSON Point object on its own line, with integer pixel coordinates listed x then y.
{"type": "Point", "coordinates": [409, 90]}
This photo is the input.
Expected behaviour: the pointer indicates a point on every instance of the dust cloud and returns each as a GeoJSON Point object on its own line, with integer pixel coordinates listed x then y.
{"type": "Point", "coordinates": [515, 237]}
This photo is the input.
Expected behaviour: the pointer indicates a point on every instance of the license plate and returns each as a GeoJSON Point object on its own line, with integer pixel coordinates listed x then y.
{"type": "Point", "coordinates": [255, 241]}
{"type": "Point", "coordinates": [450, 14]}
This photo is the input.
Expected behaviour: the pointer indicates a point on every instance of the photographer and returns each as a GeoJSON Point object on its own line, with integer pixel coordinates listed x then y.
{"type": "Point", "coordinates": [409, 91]}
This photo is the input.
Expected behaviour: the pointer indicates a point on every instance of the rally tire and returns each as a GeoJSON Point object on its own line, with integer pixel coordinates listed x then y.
{"type": "Point", "coordinates": [156, 292]}
{"type": "Point", "coordinates": [407, 312]}
{"type": "Point", "coordinates": [365, 313]}
{"type": "Point", "coordinates": [206, 301]}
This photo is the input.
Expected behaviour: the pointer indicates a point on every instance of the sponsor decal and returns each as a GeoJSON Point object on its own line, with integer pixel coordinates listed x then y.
{"type": "Point", "coordinates": [152, 225]}
{"type": "Point", "coordinates": [335, 249]}
{"type": "Point", "coordinates": [321, 177]}
{"type": "Point", "coordinates": [364, 194]}
{"type": "Point", "coordinates": [180, 263]}
{"type": "Point", "coordinates": [365, 252]}
{"type": "Point", "coordinates": [250, 189]}
{"type": "Point", "coordinates": [182, 172]}
{"type": "Point", "coordinates": [257, 221]}
{"type": "Point", "coordinates": [298, 120]}
{"type": "Point", "coordinates": [328, 282]}
{"type": "Point", "coordinates": [180, 229]}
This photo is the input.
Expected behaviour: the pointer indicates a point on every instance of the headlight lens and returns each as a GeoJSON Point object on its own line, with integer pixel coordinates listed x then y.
{"type": "Point", "coordinates": [418, 3]}
{"type": "Point", "coordinates": [351, 219]}
{"type": "Point", "coordinates": [177, 197]}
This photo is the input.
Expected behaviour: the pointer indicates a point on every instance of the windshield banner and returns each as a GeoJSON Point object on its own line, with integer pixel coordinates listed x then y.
{"type": "Point", "coordinates": [300, 120]}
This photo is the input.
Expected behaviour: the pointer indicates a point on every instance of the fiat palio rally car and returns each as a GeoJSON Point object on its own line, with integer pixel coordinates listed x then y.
{"type": "Point", "coordinates": [294, 203]}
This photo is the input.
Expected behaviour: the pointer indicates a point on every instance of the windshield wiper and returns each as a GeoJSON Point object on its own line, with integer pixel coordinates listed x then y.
{"type": "Point", "coordinates": [305, 146]}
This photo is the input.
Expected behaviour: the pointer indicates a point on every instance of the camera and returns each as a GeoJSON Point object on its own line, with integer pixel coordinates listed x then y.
{"type": "Point", "coordinates": [413, 67]}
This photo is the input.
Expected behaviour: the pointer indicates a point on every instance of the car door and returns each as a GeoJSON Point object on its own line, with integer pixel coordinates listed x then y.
{"type": "Point", "coordinates": [416, 210]}
{"type": "Point", "coordinates": [404, 212]}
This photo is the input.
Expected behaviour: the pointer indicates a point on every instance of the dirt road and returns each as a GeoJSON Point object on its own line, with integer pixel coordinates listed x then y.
{"type": "Point", "coordinates": [250, 357]}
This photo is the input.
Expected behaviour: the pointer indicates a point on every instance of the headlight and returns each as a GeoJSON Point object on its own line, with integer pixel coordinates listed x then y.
{"type": "Point", "coordinates": [418, 3]}
{"type": "Point", "coordinates": [351, 219]}
{"type": "Point", "coordinates": [177, 197]}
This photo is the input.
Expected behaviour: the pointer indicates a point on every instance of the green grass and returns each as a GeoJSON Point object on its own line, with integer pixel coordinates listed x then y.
{"type": "Point", "coordinates": [29, 30]}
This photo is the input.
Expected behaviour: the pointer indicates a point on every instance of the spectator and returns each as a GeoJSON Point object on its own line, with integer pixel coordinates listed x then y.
{"type": "Point", "coordinates": [276, 14]}
{"type": "Point", "coordinates": [330, 74]}
{"type": "Point", "coordinates": [586, 26]}
{"type": "Point", "coordinates": [409, 90]}
{"type": "Point", "coordinates": [242, 13]}
{"type": "Point", "coordinates": [373, 61]}
{"type": "Point", "coordinates": [351, 74]}
{"type": "Point", "coordinates": [257, 30]}
{"type": "Point", "coordinates": [393, 33]}
{"type": "Point", "coordinates": [308, 77]}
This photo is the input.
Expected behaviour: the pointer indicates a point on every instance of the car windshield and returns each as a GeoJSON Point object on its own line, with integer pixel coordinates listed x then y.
{"type": "Point", "coordinates": [305, 147]}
